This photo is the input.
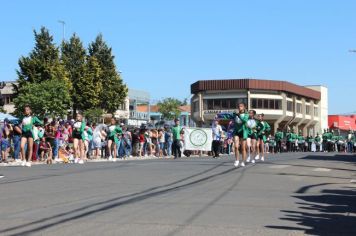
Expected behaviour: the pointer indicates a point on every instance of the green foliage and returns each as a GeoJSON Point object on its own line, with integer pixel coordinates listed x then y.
{"type": "Point", "coordinates": [93, 114]}
{"type": "Point", "coordinates": [114, 90]}
{"type": "Point", "coordinates": [74, 60]}
{"type": "Point", "coordinates": [43, 61]}
{"type": "Point", "coordinates": [169, 108]}
{"type": "Point", "coordinates": [89, 79]}
{"type": "Point", "coordinates": [46, 98]}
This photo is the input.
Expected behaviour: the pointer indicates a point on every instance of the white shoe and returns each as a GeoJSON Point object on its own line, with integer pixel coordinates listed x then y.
{"type": "Point", "coordinates": [56, 160]}
{"type": "Point", "coordinates": [248, 159]}
{"type": "Point", "coordinates": [110, 158]}
{"type": "Point", "coordinates": [253, 161]}
{"type": "Point", "coordinates": [257, 157]}
{"type": "Point", "coordinates": [28, 164]}
{"type": "Point", "coordinates": [262, 158]}
{"type": "Point", "coordinates": [236, 164]}
{"type": "Point", "coordinates": [1, 176]}
{"type": "Point", "coordinates": [114, 160]}
{"type": "Point", "coordinates": [76, 160]}
{"type": "Point", "coordinates": [80, 161]}
{"type": "Point", "coordinates": [242, 164]}
{"type": "Point", "coordinates": [23, 163]}
{"type": "Point", "coordinates": [18, 161]}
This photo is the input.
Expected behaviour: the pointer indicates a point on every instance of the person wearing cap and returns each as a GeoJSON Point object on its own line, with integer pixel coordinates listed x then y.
{"type": "Point", "coordinates": [176, 131]}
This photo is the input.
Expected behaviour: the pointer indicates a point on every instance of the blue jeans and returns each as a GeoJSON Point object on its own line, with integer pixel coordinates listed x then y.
{"type": "Point", "coordinates": [118, 144]}
{"type": "Point", "coordinates": [169, 148]}
{"type": "Point", "coordinates": [128, 149]}
{"type": "Point", "coordinates": [17, 144]}
{"type": "Point", "coordinates": [56, 148]}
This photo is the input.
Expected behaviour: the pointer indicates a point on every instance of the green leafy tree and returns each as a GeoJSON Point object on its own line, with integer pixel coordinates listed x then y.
{"type": "Point", "coordinates": [169, 108]}
{"type": "Point", "coordinates": [90, 86]}
{"type": "Point", "coordinates": [115, 91]}
{"type": "Point", "coordinates": [74, 59]}
{"type": "Point", "coordinates": [49, 97]}
{"type": "Point", "coordinates": [42, 63]}
{"type": "Point", "coordinates": [93, 114]}
{"type": "Point", "coordinates": [43, 82]}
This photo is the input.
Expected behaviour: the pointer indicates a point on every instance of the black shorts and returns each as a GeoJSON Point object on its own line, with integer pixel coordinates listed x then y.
{"type": "Point", "coordinates": [252, 136]}
{"type": "Point", "coordinates": [112, 138]}
{"type": "Point", "coordinates": [76, 134]}
{"type": "Point", "coordinates": [27, 134]}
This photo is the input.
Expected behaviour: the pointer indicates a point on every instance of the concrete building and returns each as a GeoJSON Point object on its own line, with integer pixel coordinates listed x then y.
{"type": "Point", "coordinates": [343, 124]}
{"type": "Point", "coordinates": [7, 95]}
{"type": "Point", "coordinates": [156, 117]}
{"type": "Point", "coordinates": [285, 105]}
{"type": "Point", "coordinates": [128, 111]}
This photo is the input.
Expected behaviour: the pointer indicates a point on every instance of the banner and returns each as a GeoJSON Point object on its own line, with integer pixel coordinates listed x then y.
{"type": "Point", "coordinates": [198, 139]}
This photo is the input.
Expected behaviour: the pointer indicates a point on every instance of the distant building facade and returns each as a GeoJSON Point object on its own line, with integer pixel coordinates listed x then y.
{"type": "Point", "coordinates": [7, 94]}
{"type": "Point", "coordinates": [285, 105]}
{"type": "Point", "coordinates": [342, 123]}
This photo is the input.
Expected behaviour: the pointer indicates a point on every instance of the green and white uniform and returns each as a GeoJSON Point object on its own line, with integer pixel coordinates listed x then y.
{"type": "Point", "coordinates": [263, 128]}
{"type": "Point", "coordinates": [115, 130]}
{"type": "Point", "coordinates": [252, 128]}
{"type": "Point", "coordinates": [240, 128]}
{"type": "Point", "coordinates": [27, 125]}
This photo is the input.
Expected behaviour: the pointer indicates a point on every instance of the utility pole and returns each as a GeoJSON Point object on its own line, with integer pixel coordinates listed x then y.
{"type": "Point", "coordinates": [63, 28]}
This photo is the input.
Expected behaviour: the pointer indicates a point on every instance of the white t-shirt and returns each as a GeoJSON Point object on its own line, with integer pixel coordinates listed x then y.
{"type": "Point", "coordinates": [217, 130]}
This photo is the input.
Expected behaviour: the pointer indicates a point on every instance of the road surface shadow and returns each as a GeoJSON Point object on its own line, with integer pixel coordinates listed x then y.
{"type": "Point", "coordinates": [58, 219]}
{"type": "Point", "coordinates": [336, 157]}
{"type": "Point", "coordinates": [332, 212]}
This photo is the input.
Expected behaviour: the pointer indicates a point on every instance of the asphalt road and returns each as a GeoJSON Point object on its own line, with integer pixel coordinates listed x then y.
{"type": "Point", "coordinates": [289, 194]}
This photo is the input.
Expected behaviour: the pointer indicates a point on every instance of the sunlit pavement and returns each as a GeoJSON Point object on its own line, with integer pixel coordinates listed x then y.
{"type": "Point", "coordinates": [288, 194]}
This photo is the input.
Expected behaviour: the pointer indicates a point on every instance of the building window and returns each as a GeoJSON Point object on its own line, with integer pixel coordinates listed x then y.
{"type": "Point", "coordinates": [210, 104]}
{"type": "Point", "coordinates": [272, 104]}
{"type": "Point", "coordinates": [289, 106]}
{"type": "Point", "coordinates": [224, 104]}
{"type": "Point", "coordinates": [307, 109]}
{"type": "Point", "coordinates": [316, 113]}
{"type": "Point", "coordinates": [232, 103]}
{"type": "Point", "coordinates": [254, 102]}
{"type": "Point", "coordinates": [299, 108]}
{"type": "Point", "coordinates": [217, 104]}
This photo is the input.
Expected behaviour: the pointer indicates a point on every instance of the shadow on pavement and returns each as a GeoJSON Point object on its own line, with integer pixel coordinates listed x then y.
{"type": "Point", "coordinates": [109, 204]}
{"type": "Point", "coordinates": [332, 212]}
{"type": "Point", "coordinates": [336, 157]}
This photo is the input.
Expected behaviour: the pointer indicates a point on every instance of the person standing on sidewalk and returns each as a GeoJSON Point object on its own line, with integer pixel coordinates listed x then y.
{"type": "Point", "coordinates": [176, 133]}
{"type": "Point", "coordinates": [217, 132]}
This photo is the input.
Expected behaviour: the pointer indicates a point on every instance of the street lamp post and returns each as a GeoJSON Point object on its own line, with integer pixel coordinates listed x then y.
{"type": "Point", "coordinates": [63, 28]}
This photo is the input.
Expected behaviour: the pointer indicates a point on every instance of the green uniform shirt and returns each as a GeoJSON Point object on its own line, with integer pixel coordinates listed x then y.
{"type": "Point", "coordinates": [240, 127]}
{"type": "Point", "coordinates": [28, 122]}
{"type": "Point", "coordinates": [278, 136]}
{"type": "Point", "coordinates": [176, 130]}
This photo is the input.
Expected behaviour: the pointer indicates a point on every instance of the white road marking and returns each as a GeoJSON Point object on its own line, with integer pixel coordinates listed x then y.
{"type": "Point", "coordinates": [279, 166]}
{"type": "Point", "coordinates": [322, 169]}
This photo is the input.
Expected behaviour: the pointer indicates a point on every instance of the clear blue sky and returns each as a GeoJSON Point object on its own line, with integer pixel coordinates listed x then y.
{"type": "Point", "coordinates": [163, 46]}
